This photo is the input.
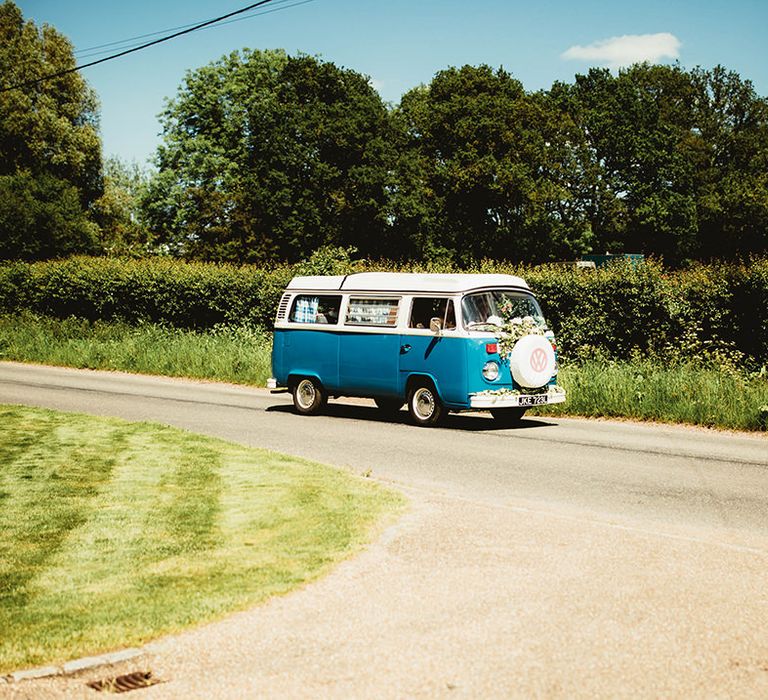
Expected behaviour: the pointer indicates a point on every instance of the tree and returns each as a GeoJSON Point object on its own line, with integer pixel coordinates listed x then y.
{"type": "Point", "coordinates": [683, 157]}
{"type": "Point", "coordinates": [42, 217]}
{"type": "Point", "coordinates": [50, 152]}
{"type": "Point", "coordinates": [117, 211]}
{"type": "Point", "coordinates": [485, 170]}
{"type": "Point", "coordinates": [638, 124]}
{"type": "Point", "coordinates": [268, 156]}
{"type": "Point", "coordinates": [732, 164]}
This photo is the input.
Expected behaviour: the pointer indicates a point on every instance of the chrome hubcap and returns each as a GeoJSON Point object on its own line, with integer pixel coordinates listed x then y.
{"type": "Point", "coordinates": [305, 393]}
{"type": "Point", "coordinates": [424, 403]}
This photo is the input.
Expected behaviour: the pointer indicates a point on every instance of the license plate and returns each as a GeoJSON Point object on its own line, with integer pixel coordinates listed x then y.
{"type": "Point", "coordinates": [532, 400]}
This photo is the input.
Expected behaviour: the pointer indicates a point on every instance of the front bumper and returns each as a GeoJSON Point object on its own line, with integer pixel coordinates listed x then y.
{"type": "Point", "coordinates": [509, 400]}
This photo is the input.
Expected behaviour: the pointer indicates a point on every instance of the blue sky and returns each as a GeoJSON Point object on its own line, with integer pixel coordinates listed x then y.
{"type": "Point", "coordinates": [399, 43]}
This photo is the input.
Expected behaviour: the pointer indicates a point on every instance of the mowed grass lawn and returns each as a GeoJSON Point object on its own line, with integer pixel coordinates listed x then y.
{"type": "Point", "coordinates": [116, 532]}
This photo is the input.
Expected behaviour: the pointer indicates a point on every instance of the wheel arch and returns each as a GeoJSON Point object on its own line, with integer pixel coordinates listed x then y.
{"type": "Point", "coordinates": [296, 376]}
{"type": "Point", "coordinates": [415, 377]}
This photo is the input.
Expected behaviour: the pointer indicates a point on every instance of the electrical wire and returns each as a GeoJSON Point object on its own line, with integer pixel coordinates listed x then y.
{"type": "Point", "coordinates": [197, 27]}
{"type": "Point", "coordinates": [134, 40]}
{"type": "Point", "coordinates": [93, 52]}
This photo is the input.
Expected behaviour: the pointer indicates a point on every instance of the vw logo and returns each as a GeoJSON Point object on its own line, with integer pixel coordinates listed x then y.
{"type": "Point", "coordinates": [538, 360]}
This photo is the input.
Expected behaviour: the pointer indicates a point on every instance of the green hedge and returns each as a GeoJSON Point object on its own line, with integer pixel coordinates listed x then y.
{"type": "Point", "coordinates": [613, 312]}
{"type": "Point", "coordinates": [620, 309]}
{"type": "Point", "coordinates": [184, 295]}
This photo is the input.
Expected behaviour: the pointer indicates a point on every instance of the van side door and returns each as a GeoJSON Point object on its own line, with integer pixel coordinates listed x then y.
{"type": "Point", "coordinates": [369, 346]}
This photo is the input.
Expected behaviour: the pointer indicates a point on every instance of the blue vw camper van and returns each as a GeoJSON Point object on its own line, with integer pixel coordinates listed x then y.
{"type": "Point", "coordinates": [436, 342]}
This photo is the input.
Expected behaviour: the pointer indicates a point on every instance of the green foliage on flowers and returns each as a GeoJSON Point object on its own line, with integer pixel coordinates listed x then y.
{"type": "Point", "coordinates": [515, 328]}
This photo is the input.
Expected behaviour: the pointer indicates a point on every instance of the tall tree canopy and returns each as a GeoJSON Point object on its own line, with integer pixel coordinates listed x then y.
{"type": "Point", "coordinates": [269, 156]}
{"type": "Point", "coordinates": [486, 169]}
{"type": "Point", "coordinates": [732, 164]}
{"type": "Point", "coordinates": [682, 154]}
{"type": "Point", "coordinates": [50, 152]}
{"type": "Point", "coordinates": [117, 212]}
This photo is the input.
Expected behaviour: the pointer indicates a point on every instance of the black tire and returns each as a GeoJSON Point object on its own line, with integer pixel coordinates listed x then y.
{"type": "Point", "coordinates": [388, 405]}
{"type": "Point", "coordinates": [424, 405]}
{"type": "Point", "coordinates": [309, 397]}
{"type": "Point", "coordinates": [508, 416]}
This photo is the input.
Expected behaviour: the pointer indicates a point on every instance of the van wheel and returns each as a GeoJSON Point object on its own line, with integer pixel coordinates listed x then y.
{"type": "Point", "coordinates": [309, 397]}
{"type": "Point", "coordinates": [424, 404]}
{"type": "Point", "coordinates": [508, 416]}
{"type": "Point", "coordinates": [387, 405]}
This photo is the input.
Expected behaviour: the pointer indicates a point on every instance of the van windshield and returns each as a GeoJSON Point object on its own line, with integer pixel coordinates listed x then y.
{"type": "Point", "coordinates": [497, 307]}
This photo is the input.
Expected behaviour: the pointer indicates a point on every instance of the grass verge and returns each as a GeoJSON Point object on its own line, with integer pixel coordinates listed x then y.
{"type": "Point", "coordinates": [232, 354]}
{"type": "Point", "coordinates": [684, 393]}
{"type": "Point", "coordinates": [643, 390]}
{"type": "Point", "coordinates": [116, 532]}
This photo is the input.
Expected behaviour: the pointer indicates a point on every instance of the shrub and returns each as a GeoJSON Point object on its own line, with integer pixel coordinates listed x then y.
{"type": "Point", "coordinates": [185, 295]}
{"type": "Point", "coordinates": [716, 314]}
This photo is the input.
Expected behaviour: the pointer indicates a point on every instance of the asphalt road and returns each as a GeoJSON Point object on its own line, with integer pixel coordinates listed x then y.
{"type": "Point", "coordinates": [559, 558]}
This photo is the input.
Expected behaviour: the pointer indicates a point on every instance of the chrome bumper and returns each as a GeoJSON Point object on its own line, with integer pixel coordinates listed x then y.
{"type": "Point", "coordinates": [485, 401]}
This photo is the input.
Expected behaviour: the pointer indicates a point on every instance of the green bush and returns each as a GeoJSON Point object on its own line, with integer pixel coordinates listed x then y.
{"type": "Point", "coordinates": [621, 311]}
{"type": "Point", "coordinates": [184, 295]}
{"type": "Point", "coordinates": [615, 311]}
{"type": "Point", "coordinates": [715, 314]}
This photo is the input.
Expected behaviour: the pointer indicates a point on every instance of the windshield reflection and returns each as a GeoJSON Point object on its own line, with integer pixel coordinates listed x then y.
{"type": "Point", "coordinates": [498, 307]}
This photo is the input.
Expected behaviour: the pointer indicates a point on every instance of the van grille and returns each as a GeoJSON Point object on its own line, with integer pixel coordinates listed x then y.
{"type": "Point", "coordinates": [282, 308]}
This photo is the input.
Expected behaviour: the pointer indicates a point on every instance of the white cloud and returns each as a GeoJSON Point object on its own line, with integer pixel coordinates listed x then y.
{"type": "Point", "coordinates": [376, 84]}
{"type": "Point", "coordinates": [625, 50]}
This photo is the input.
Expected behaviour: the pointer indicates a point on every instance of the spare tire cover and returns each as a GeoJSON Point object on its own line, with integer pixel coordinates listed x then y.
{"type": "Point", "coordinates": [532, 361]}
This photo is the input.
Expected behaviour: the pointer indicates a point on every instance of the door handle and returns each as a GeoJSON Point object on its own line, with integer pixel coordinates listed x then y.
{"type": "Point", "coordinates": [404, 349]}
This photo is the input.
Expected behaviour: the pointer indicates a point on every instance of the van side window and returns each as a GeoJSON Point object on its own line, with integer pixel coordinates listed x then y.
{"type": "Point", "coordinates": [426, 308]}
{"type": "Point", "coordinates": [309, 308]}
{"type": "Point", "coordinates": [372, 312]}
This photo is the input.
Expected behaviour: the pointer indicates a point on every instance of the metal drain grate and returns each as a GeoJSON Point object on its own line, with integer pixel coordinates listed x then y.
{"type": "Point", "coordinates": [123, 684]}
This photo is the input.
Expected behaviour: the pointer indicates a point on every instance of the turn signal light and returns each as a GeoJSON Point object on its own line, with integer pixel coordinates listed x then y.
{"type": "Point", "coordinates": [491, 348]}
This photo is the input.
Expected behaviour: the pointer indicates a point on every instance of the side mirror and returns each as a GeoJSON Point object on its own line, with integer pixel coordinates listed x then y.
{"type": "Point", "coordinates": [436, 324]}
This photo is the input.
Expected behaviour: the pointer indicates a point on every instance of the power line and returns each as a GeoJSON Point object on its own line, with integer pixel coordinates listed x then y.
{"type": "Point", "coordinates": [90, 53]}
{"type": "Point", "coordinates": [194, 28]}
{"type": "Point", "coordinates": [129, 42]}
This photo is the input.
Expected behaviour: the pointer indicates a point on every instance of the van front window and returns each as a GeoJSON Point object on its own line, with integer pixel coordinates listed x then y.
{"type": "Point", "coordinates": [497, 307]}
{"type": "Point", "coordinates": [426, 308]}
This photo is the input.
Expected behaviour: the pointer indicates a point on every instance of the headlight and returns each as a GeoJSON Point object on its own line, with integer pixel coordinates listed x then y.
{"type": "Point", "coordinates": [491, 370]}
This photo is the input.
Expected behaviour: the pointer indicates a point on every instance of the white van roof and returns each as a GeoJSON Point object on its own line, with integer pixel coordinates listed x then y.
{"type": "Point", "coordinates": [406, 282]}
